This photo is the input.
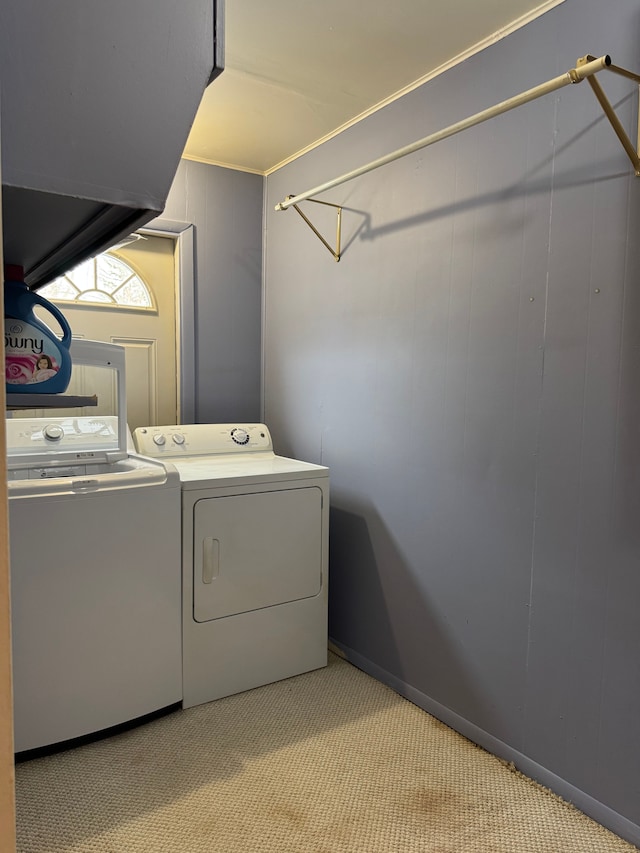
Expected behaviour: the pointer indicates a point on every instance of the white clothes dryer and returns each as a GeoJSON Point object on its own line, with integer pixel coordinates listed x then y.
{"type": "Point", "coordinates": [254, 557]}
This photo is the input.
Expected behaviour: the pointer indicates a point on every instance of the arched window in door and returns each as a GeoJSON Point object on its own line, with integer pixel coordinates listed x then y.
{"type": "Point", "coordinates": [106, 280]}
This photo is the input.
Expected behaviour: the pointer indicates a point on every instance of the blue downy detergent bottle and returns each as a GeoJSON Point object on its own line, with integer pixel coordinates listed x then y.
{"type": "Point", "coordinates": [36, 360]}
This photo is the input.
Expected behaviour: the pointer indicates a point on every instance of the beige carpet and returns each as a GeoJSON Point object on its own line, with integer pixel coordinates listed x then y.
{"type": "Point", "coordinates": [328, 762]}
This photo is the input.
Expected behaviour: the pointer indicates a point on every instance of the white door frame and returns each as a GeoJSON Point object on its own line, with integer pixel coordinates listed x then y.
{"type": "Point", "coordinates": [183, 234]}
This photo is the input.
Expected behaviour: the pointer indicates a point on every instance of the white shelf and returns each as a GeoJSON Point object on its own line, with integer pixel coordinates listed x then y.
{"type": "Point", "coordinates": [48, 401]}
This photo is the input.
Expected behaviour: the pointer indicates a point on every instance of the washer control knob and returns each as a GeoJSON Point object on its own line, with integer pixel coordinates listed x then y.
{"type": "Point", "coordinates": [178, 438]}
{"type": "Point", "coordinates": [159, 439]}
{"type": "Point", "coordinates": [53, 432]}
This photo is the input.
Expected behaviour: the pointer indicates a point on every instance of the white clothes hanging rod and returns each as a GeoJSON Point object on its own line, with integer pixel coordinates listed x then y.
{"type": "Point", "coordinates": [586, 67]}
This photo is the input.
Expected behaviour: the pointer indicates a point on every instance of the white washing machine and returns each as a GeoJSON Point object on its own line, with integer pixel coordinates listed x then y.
{"type": "Point", "coordinates": [254, 557]}
{"type": "Point", "coordinates": [95, 578]}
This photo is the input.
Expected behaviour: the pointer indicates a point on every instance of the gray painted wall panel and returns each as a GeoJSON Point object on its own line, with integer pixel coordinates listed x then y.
{"type": "Point", "coordinates": [573, 549]}
{"type": "Point", "coordinates": [225, 206]}
{"type": "Point", "coordinates": [477, 400]}
{"type": "Point", "coordinates": [102, 107]}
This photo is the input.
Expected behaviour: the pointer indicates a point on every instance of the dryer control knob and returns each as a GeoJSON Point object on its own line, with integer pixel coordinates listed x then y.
{"type": "Point", "coordinates": [240, 436]}
{"type": "Point", "coordinates": [178, 438]}
{"type": "Point", "coordinates": [53, 432]}
{"type": "Point", "coordinates": [159, 439]}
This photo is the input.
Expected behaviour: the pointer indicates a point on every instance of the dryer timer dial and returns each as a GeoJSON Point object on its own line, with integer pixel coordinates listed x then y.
{"type": "Point", "coordinates": [240, 436]}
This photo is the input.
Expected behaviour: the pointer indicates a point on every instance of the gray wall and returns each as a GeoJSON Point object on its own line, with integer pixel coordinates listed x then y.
{"type": "Point", "coordinates": [469, 372]}
{"type": "Point", "coordinates": [225, 207]}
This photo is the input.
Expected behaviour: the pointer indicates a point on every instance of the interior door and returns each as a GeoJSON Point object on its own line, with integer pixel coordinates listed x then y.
{"type": "Point", "coordinates": [147, 334]}
{"type": "Point", "coordinates": [256, 550]}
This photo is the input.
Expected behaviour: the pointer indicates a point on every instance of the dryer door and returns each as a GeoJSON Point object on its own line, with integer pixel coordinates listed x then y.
{"type": "Point", "coordinates": [256, 550]}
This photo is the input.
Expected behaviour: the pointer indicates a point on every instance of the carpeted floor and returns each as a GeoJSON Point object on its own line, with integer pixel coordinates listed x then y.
{"type": "Point", "coordinates": [328, 762]}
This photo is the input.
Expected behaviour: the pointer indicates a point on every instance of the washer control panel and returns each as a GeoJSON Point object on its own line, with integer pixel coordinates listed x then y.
{"type": "Point", "coordinates": [201, 439]}
{"type": "Point", "coordinates": [42, 435]}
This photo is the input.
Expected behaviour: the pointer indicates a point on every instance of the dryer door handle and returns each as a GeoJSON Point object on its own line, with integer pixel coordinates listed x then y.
{"type": "Point", "coordinates": [210, 559]}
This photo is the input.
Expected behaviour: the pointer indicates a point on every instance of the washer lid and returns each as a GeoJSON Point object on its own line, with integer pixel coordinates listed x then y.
{"type": "Point", "coordinates": [62, 438]}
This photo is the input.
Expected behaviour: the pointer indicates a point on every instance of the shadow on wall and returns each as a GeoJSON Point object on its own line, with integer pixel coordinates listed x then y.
{"type": "Point", "coordinates": [570, 179]}
{"type": "Point", "coordinates": [359, 224]}
{"type": "Point", "coordinates": [358, 609]}
{"type": "Point", "coordinates": [381, 608]}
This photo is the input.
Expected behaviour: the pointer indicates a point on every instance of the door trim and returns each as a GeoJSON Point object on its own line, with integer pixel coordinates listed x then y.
{"type": "Point", "coordinates": [183, 235]}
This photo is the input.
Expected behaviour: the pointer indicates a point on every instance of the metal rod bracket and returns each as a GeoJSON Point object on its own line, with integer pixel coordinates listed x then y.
{"type": "Point", "coordinates": [633, 151]}
{"type": "Point", "coordinates": [335, 252]}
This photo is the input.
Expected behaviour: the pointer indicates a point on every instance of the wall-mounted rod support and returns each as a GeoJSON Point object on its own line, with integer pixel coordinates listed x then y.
{"type": "Point", "coordinates": [335, 252]}
{"type": "Point", "coordinates": [575, 75]}
{"type": "Point", "coordinates": [610, 113]}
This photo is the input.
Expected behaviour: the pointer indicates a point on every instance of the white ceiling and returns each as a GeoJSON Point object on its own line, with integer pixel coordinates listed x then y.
{"type": "Point", "coordinates": [296, 71]}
